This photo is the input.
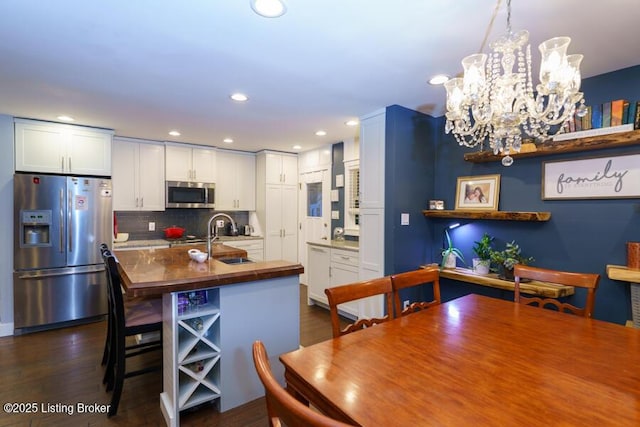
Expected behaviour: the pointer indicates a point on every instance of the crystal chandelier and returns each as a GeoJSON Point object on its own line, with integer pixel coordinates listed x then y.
{"type": "Point", "coordinates": [496, 97]}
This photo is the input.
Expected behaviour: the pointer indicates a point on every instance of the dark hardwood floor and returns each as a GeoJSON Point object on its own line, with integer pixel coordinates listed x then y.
{"type": "Point", "coordinates": [62, 367]}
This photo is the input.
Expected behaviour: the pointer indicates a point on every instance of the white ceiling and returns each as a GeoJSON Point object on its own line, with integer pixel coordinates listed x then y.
{"type": "Point", "coordinates": [144, 67]}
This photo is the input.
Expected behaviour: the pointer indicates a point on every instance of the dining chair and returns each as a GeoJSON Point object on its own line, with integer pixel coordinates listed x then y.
{"type": "Point", "coordinates": [127, 320]}
{"type": "Point", "coordinates": [582, 280]}
{"type": "Point", "coordinates": [355, 291]}
{"type": "Point", "coordinates": [282, 407]}
{"type": "Point", "coordinates": [415, 278]}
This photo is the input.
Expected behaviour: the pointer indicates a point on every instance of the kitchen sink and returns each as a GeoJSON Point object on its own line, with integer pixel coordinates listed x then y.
{"type": "Point", "coordinates": [235, 260]}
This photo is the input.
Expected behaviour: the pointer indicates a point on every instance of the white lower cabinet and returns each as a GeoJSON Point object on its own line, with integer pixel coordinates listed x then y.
{"type": "Point", "coordinates": [330, 267]}
{"type": "Point", "coordinates": [254, 248]}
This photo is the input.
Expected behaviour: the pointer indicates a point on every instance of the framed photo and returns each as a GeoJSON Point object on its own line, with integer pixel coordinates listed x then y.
{"type": "Point", "coordinates": [610, 177]}
{"type": "Point", "coordinates": [478, 192]}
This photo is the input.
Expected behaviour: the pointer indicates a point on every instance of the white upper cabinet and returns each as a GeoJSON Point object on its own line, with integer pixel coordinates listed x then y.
{"type": "Point", "coordinates": [236, 181]}
{"type": "Point", "coordinates": [372, 158]}
{"type": "Point", "coordinates": [59, 148]}
{"type": "Point", "coordinates": [281, 169]}
{"type": "Point", "coordinates": [187, 163]}
{"type": "Point", "coordinates": [138, 175]}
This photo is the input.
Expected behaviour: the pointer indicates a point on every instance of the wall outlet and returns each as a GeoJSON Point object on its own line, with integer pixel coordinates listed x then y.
{"type": "Point", "coordinates": [220, 223]}
{"type": "Point", "coordinates": [152, 226]}
{"type": "Point", "coordinates": [405, 304]}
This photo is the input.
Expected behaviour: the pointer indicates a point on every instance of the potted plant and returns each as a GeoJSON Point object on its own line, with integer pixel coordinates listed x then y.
{"type": "Point", "coordinates": [483, 250]}
{"type": "Point", "coordinates": [507, 258]}
{"type": "Point", "coordinates": [449, 254]}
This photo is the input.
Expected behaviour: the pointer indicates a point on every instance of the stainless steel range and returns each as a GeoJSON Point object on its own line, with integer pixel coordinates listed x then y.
{"type": "Point", "coordinates": [59, 221]}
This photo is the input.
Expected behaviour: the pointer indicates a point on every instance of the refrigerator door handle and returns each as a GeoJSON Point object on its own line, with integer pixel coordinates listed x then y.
{"type": "Point", "coordinates": [69, 227]}
{"type": "Point", "coordinates": [37, 274]}
{"type": "Point", "coordinates": [61, 220]}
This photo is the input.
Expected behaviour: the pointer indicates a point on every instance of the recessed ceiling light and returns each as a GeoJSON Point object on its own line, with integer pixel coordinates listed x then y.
{"type": "Point", "coordinates": [269, 8]}
{"type": "Point", "coordinates": [321, 133]}
{"type": "Point", "coordinates": [240, 97]}
{"type": "Point", "coordinates": [351, 122]}
{"type": "Point", "coordinates": [174, 133]}
{"type": "Point", "coordinates": [297, 147]}
{"type": "Point", "coordinates": [438, 79]}
{"type": "Point", "coordinates": [228, 141]}
{"type": "Point", "coordinates": [66, 118]}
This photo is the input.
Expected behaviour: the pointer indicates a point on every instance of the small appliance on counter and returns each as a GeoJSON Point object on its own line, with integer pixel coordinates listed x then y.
{"type": "Point", "coordinates": [338, 234]}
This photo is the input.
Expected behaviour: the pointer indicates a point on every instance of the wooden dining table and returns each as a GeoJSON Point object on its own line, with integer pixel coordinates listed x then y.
{"type": "Point", "coordinates": [475, 361]}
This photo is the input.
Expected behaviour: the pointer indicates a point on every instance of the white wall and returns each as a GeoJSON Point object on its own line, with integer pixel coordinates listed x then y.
{"type": "Point", "coordinates": [6, 225]}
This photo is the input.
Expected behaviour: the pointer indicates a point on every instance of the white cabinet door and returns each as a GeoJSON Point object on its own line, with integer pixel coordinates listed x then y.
{"type": "Point", "coordinates": [273, 223]}
{"type": "Point", "coordinates": [55, 148]}
{"type": "Point", "coordinates": [289, 170]}
{"type": "Point", "coordinates": [273, 168]}
{"type": "Point", "coordinates": [151, 177]}
{"type": "Point", "coordinates": [246, 182]}
{"type": "Point", "coordinates": [343, 274]}
{"type": "Point", "coordinates": [138, 176]}
{"type": "Point", "coordinates": [226, 182]}
{"type": "Point", "coordinates": [178, 163]}
{"type": "Point", "coordinates": [289, 214]}
{"type": "Point", "coordinates": [317, 273]}
{"type": "Point", "coordinates": [125, 176]}
{"type": "Point", "coordinates": [89, 152]}
{"type": "Point", "coordinates": [372, 159]}
{"type": "Point", "coordinates": [281, 169]}
{"type": "Point", "coordinates": [204, 165]}
{"type": "Point", "coordinates": [39, 148]}
{"type": "Point", "coordinates": [236, 181]}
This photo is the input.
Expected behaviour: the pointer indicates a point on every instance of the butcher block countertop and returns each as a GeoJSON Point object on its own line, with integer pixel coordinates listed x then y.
{"type": "Point", "coordinates": [153, 272]}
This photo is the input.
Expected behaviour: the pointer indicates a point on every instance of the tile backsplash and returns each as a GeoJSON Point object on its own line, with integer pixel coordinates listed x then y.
{"type": "Point", "coordinates": [193, 220]}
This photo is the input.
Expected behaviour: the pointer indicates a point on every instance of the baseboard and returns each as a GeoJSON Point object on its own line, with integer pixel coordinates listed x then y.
{"type": "Point", "coordinates": [6, 329]}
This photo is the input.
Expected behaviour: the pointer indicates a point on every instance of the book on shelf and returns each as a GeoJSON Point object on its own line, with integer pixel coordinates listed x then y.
{"type": "Point", "coordinates": [631, 114]}
{"type": "Point", "coordinates": [606, 114]}
{"type": "Point", "coordinates": [617, 107]}
{"type": "Point", "coordinates": [625, 112]}
{"type": "Point", "coordinates": [586, 119]}
{"type": "Point", "coordinates": [636, 122]}
{"type": "Point", "coordinates": [596, 116]}
{"type": "Point", "coordinates": [593, 132]}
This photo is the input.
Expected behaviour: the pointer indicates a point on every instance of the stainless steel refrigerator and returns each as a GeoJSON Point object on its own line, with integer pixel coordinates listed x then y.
{"type": "Point", "coordinates": [59, 221]}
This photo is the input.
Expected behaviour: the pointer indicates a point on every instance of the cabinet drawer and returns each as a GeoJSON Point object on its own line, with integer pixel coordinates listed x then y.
{"type": "Point", "coordinates": [344, 257]}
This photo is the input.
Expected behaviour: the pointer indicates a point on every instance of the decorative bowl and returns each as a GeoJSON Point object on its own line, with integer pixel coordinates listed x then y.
{"type": "Point", "coordinates": [121, 237]}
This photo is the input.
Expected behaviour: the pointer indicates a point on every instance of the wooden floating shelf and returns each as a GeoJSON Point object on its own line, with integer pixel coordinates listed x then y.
{"type": "Point", "coordinates": [548, 148]}
{"type": "Point", "coordinates": [494, 215]}
{"type": "Point", "coordinates": [621, 272]}
{"type": "Point", "coordinates": [533, 287]}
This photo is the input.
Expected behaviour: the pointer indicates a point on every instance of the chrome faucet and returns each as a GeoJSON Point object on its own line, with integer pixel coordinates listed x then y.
{"type": "Point", "coordinates": [211, 238]}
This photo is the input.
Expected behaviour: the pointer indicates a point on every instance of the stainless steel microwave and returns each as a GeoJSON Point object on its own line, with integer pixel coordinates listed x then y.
{"type": "Point", "coordinates": [190, 194]}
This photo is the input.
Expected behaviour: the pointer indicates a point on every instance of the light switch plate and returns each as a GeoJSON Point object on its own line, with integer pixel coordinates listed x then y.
{"type": "Point", "coordinates": [340, 180]}
{"type": "Point", "coordinates": [152, 226]}
{"type": "Point", "coordinates": [335, 196]}
{"type": "Point", "coordinates": [335, 214]}
{"type": "Point", "coordinates": [404, 219]}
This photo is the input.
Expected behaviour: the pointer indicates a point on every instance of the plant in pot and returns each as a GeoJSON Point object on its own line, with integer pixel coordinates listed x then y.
{"type": "Point", "coordinates": [483, 250]}
{"type": "Point", "coordinates": [507, 258]}
{"type": "Point", "coordinates": [449, 254]}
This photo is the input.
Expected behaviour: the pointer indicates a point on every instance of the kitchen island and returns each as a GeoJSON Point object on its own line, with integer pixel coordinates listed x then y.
{"type": "Point", "coordinates": [212, 313]}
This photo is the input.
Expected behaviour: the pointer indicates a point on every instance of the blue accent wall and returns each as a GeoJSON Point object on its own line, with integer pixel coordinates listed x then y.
{"type": "Point", "coordinates": [582, 235]}
{"type": "Point", "coordinates": [409, 182]}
